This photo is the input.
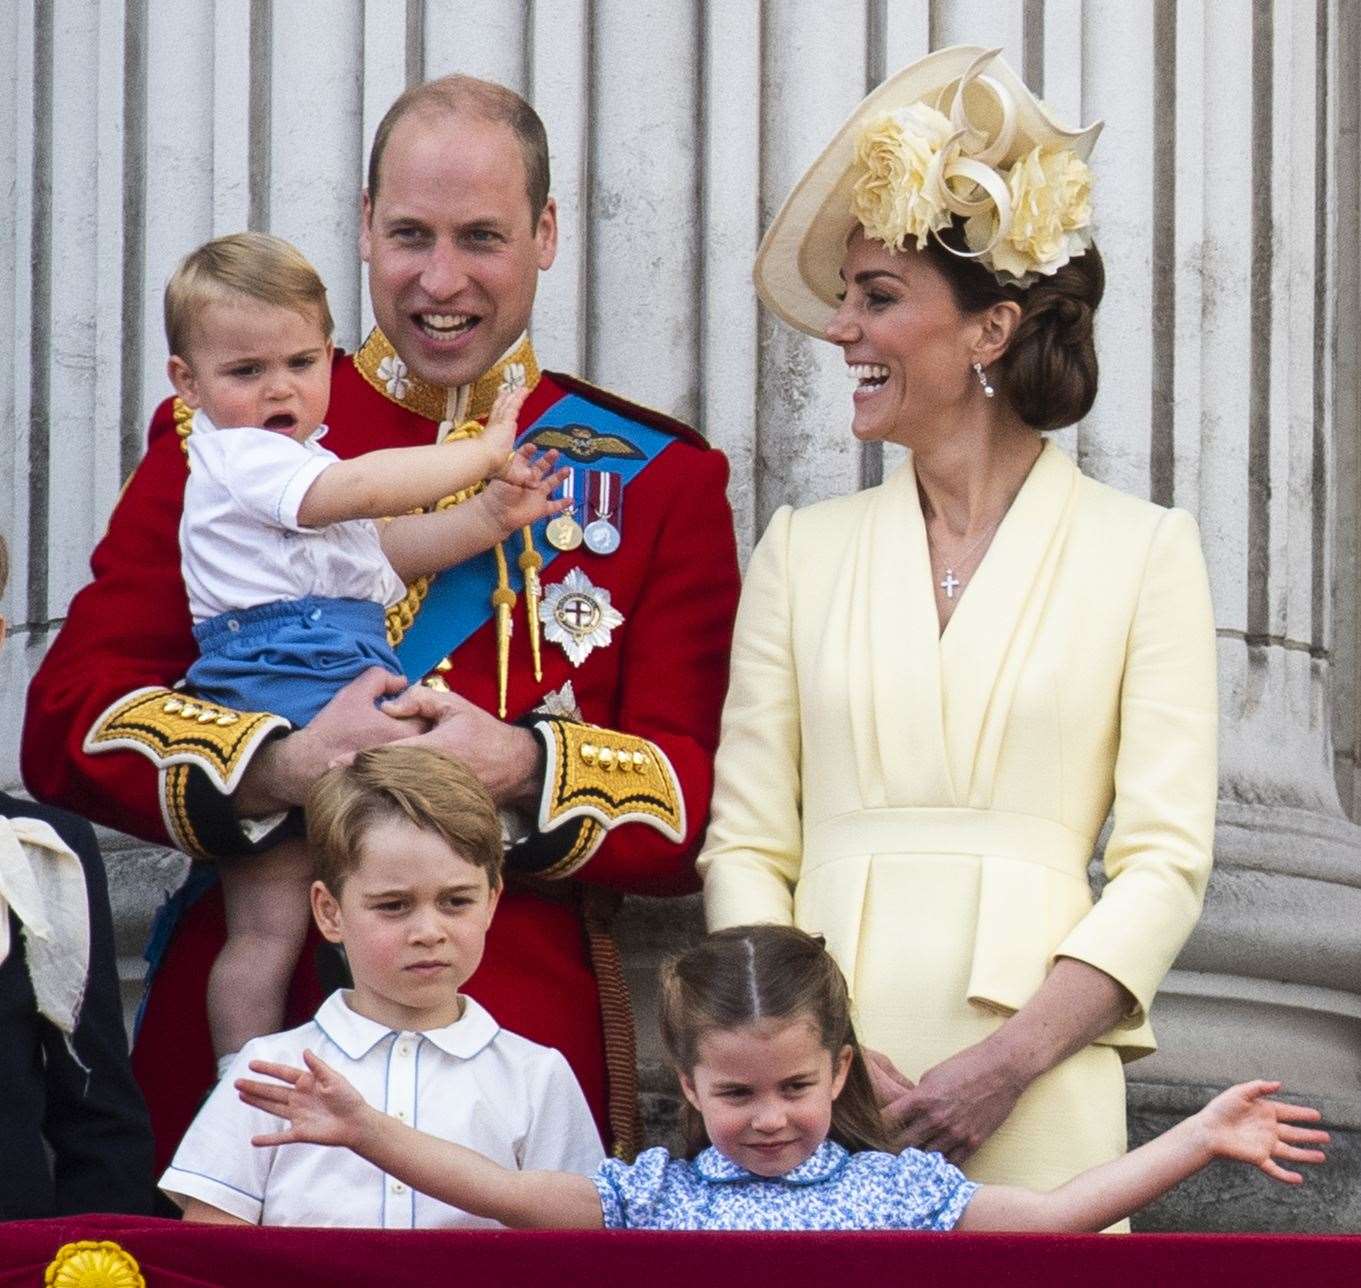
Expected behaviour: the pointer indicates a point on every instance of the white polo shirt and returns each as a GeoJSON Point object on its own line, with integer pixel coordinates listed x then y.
{"type": "Point", "coordinates": [240, 541]}
{"type": "Point", "coordinates": [473, 1082]}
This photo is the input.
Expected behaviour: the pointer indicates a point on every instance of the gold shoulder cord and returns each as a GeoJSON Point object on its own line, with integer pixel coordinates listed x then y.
{"type": "Point", "coordinates": [184, 424]}
{"type": "Point", "coordinates": [402, 614]}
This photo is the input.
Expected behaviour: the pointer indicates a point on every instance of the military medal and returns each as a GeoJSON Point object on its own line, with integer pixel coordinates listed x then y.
{"type": "Point", "coordinates": [564, 532]}
{"type": "Point", "coordinates": [578, 615]}
{"type": "Point", "coordinates": [604, 501]}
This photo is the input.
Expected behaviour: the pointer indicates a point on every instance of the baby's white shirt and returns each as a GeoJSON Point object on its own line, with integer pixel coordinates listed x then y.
{"type": "Point", "coordinates": [240, 541]}
{"type": "Point", "coordinates": [472, 1082]}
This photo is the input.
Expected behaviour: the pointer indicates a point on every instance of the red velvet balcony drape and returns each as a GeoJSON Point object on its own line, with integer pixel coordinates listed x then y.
{"type": "Point", "coordinates": [172, 1255]}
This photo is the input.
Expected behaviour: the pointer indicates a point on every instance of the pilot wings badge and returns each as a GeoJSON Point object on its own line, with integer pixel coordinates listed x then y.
{"type": "Point", "coordinates": [578, 616]}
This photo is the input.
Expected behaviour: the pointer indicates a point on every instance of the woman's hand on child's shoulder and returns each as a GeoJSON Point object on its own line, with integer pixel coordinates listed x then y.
{"type": "Point", "coordinates": [322, 1108]}
{"type": "Point", "coordinates": [1241, 1123]}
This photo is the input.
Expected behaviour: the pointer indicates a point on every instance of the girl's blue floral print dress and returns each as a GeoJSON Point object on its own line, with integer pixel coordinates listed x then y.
{"type": "Point", "coordinates": [831, 1190]}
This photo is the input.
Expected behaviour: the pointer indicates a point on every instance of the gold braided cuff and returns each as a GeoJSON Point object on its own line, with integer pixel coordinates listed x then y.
{"type": "Point", "coordinates": [583, 849]}
{"type": "Point", "coordinates": [171, 728]}
{"type": "Point", "coordinates": [609, 777]}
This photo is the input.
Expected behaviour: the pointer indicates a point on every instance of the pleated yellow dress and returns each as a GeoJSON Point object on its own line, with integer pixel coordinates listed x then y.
{"type": "Point", "coordinates": [929, 802]}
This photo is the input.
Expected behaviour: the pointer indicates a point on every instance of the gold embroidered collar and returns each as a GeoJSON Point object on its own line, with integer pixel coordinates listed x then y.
{"type": "Point", "coordinates": [379, 364]}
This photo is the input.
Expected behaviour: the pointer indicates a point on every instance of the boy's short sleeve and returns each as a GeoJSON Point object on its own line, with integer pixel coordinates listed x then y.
{"type": "Point", "coordinates": [933, 1192]}
{"type": "Point", "coordinates": [562, 1136]}
{"type": "Point", "coordinates": [266, 474]}
{"type": "Point", "coordinates": [629, 1192]}
{"type": "Point", "coordinates": [215, 1162]}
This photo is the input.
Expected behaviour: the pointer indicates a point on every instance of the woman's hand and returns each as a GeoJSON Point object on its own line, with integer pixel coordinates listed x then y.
{"type": "Point", "coordinates": [887, 1081]}
{"type": "Point", "coordinates": [957, 1104]}
{"type": "Point", "coordinates": [321, 1107]}
{"type": "Point", "coordinates": [1242, 1124]}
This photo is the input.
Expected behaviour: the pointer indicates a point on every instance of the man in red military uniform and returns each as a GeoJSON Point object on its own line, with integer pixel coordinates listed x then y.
{"type": "Point", "coordinates": [579, 671]}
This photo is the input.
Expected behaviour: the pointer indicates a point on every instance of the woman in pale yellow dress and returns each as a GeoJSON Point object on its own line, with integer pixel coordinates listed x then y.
{"type": "Point", "coordinates": [943, 685]}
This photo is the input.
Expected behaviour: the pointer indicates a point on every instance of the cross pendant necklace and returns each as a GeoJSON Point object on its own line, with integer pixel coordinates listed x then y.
{"type": "Point", "coordinates": [950, 583]}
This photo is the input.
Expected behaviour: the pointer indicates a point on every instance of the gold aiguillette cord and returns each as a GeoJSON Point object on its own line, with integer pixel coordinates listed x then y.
{"type": "Point", "coordinates": [503, 601]}
{"type": "Point", "coordinates": [503, 597]}
{"type": "Point", "coordinates": [530, 562]}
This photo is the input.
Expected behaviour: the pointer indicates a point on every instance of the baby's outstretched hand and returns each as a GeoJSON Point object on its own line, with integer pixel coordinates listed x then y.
{"type": "Point", "coordinates": [322, 1108]}
{"type": "Point", "coordinates": [503, 426]}
{"type": "Point", "coordinates": [1242, 1123]}
{"type": "Point", "coordinates": [523, 493]}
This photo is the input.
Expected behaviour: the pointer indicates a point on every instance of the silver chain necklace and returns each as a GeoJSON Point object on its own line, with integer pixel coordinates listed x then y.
{"type": "Point", "coordinates": [950, 583]}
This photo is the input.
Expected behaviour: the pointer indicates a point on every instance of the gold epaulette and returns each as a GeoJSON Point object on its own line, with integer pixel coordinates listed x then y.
{"type": "Point", "coordinates": [170, 728]}
{"type": "Point", "coordinates": [607, 777]}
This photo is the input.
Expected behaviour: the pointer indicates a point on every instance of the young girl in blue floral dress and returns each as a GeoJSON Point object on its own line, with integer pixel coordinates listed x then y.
{"type": "Point", "coordinates": [784, 1130]}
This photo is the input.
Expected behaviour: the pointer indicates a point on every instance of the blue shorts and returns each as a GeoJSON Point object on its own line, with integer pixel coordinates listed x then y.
{"type": "Point", "coordinates": [291, 657]}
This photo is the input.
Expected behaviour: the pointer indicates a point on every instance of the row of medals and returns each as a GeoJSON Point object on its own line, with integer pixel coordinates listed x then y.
{"type": "Point", "coordinates": [603, 500]}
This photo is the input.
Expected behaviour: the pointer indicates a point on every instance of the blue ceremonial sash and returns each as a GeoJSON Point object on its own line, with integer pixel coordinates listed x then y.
{"type": "Point", "coordinates": [459, 600]}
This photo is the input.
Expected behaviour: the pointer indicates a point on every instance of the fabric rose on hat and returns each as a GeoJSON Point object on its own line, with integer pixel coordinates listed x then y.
{"type": "Point", "coordinates": [898, 193]}
{"type": "Point", "coordinates": [1051, 199]}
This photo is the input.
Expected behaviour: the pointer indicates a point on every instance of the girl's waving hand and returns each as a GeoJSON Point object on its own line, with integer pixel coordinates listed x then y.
{"type": "Point", "coordinates": [1242, 1123]}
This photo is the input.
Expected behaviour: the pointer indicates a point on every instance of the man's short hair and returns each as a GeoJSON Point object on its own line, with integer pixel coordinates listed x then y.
{"type": "Point", "coordinates": [482, 100]}
{"type": "Point", "coordinates": [432, 791]}
{"type": "Point", "coordinates": [255, 265]}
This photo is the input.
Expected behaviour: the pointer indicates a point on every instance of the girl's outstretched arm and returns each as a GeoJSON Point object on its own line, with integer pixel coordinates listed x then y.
{"type": "Point", "coordinates": [323, 1109]}
{"type": "Point", "coordinates": [1238, 1123]}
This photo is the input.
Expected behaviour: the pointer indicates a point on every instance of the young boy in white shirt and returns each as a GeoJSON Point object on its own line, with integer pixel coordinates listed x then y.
{"type": "Point", "coordinates": [407, 846]}
{"type": "Point", "coordinates": [288, 577]}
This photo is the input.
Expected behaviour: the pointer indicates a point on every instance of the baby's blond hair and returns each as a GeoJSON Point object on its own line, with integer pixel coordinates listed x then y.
{"type": "Point", "coordinates": [255, 265]}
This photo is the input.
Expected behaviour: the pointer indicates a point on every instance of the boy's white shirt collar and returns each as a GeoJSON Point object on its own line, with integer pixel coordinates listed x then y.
{"type": "Point", "coordinates": [203, 424]}
{"type": "Point", "coordinates": [357, 1035]}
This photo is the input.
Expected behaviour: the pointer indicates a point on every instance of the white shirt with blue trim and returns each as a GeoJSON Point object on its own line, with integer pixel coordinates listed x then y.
{"type": "Point", "coordinates": [472, 1082]}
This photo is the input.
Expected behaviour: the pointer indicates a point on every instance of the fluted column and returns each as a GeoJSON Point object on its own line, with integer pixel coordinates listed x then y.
{"type": "Point", "coordinates": [1227, 205]}
{"type": "Point", "coordinates": [1270, 983]}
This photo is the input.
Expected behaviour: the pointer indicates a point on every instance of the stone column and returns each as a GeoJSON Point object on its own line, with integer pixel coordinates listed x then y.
{"type": "Point", "coordinates": [1227, 208]}
{"type": "Point", "coordinates": [1270, 983]}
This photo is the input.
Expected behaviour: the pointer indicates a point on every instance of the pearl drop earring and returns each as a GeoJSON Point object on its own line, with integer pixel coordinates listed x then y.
{"type": "Point", "coordinates": [988, 390]}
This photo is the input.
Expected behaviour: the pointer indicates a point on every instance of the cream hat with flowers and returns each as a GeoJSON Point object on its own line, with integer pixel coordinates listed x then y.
{"type": "Point", "coordinates": [955, 133]}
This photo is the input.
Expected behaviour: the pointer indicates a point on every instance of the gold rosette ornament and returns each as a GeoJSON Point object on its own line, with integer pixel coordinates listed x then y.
{"type": "Point", "coordinates": [90, 1264]}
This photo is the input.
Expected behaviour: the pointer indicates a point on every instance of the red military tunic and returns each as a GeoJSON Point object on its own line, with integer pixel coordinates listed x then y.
{"type": "Point", "coordinates": [104, 736]}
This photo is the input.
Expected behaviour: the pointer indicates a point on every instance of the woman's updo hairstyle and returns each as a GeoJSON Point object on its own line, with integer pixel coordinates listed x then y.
{"type": "Point", "coordinates": [1048, 373]}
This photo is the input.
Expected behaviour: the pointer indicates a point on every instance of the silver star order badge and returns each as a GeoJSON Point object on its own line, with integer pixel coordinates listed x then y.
{"type": "Point", "coordinates": [578, 615]}
{"type": "Point", "coordinates": [562, 703]}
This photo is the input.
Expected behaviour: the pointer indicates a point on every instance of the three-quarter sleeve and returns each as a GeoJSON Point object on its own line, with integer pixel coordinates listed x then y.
{"type": "Point", "coordinates": [1166, 778]}
{"type": "Point", "coordinates": [752, 852]}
